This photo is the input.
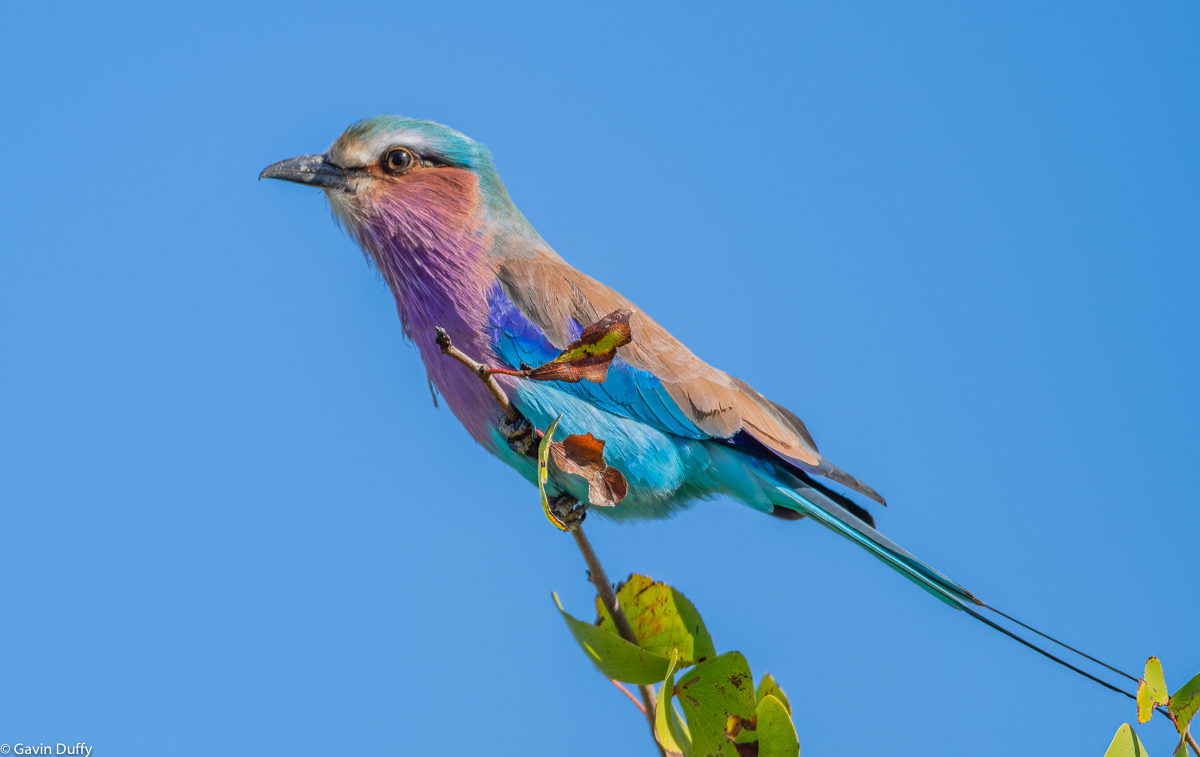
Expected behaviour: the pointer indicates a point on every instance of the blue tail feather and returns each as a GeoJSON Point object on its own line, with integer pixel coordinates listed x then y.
{"type": "Point", "coordinates": [785, 490]}
{"type": "Point", "coordinates": [833, 516]}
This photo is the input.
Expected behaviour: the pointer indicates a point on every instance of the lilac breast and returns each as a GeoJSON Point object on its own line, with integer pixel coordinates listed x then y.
{"type": "Point", "coordinates": [434, 267]}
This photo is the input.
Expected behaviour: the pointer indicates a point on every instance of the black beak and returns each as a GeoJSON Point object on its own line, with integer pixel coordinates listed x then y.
{"type": "Point", "coordinates": [313, 170]}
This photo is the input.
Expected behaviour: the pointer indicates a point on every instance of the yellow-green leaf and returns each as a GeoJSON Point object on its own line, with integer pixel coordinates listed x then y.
{"type": "Point", "coordinates": [771, 730]}
{"type": "Point", "coordinates": [669, 729]}
{"type": "Point", "coordinates": [711, 692]}
{"type": "Point", "coordinates": [1151, 690]}
{"type": "Point", "coordinates": [662, 619]}
{"type": "Point", "coordinates": [544, 472]}
{"type": "Point", "coordinates": [768, 686]}
{"type": "Point", "coordinates": [1126, 744]}
{"type": "Point", "coordinates": [776, 732]}
{"type": "Point", "coordinates": [613, 656]}
{"type": "Point", "coordinates": [1185, 702]}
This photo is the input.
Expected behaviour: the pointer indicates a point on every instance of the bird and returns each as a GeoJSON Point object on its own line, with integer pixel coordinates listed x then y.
{"type": "Point", "coordinates": [427, 207]}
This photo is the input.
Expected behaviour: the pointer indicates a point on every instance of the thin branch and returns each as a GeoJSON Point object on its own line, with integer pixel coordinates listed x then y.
{"type": "Point", "coordinates": [596, 574]}
{"type": "Point", "coordinates": [608, 597]}
{"type": "Point", "coordinates": [507, 372]}
{"type": "Point", "coordinates": [1184, 732]}
{"type": "Point", "coordinates": [480, 370]}
{"type": "Point", "coordinates": [641, 707]}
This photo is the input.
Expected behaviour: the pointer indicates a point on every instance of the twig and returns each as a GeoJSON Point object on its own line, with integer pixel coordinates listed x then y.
{"type": "Point", "coordinates": [608, 597]}
{"type": "Point", "coordinates": [641, 707]}
{"type": "Point", "coordinates": [507, 372]}
{"type": "Point", "coordinates": [596, 574]}
{"type": "Point", "coordinates": [1184, 733]}
{"type": "Point", "coordinates": [443, 340]}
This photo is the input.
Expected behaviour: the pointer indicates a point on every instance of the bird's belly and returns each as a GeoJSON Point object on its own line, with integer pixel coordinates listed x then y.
{"type": "Point", "coordinates": [665, 472]}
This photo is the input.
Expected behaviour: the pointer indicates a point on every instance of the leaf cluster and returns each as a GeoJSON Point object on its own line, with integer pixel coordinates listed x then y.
{"type": "Point", "coordinates": [723, 713]}
{"type": "Point", "coordinates": [1179, 707]}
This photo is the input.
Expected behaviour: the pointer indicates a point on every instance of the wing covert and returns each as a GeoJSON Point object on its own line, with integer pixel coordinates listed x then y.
{"type": "Point", "coordinates": [542, 303]}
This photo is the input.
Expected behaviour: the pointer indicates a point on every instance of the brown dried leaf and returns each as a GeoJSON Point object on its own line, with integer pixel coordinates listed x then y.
{"type": "Point", "coordinates": [588, 357]}
{"type": "Point", "coordinates": [583, 456]}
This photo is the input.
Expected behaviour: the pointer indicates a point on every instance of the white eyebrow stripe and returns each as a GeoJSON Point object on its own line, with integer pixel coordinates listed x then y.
{"type": "Point", "coordinates": [412, 140]}
{"type": "Point", "coordinates": [365, 152]}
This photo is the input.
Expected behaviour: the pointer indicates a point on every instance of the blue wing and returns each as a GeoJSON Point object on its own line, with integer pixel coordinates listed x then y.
{"type": "Point", "coordinates": [669, 461]}
{"type": "Point", "coordinates": [628, 392]}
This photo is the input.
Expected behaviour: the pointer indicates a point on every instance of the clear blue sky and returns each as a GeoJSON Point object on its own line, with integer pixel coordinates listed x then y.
{"type": "Point", "coordinates": [960, 241]}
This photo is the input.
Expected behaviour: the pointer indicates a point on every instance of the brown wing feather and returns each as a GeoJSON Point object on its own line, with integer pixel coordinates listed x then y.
{"type": "Point", "coordinates": [552, 294]}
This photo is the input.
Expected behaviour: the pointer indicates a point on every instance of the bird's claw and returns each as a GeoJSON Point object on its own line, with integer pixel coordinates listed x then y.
{"type": "Point", "coordinates": [519, 434]}
{"type": "Point", "coordinates": [568, 511]}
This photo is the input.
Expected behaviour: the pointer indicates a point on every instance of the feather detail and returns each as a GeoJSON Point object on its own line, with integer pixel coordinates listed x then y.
{"type": "Point", "coordinates": [700, 401]}
{"type": "Point", "coordinates": [428, 243]}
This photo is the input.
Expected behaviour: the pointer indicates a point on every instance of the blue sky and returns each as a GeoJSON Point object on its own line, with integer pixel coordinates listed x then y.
{"type": "Point", "coordinates": [959, 240]}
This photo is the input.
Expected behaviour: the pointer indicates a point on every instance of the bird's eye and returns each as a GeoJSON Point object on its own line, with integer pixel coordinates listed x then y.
{"type": "Point", "coordinates": [398, 160]}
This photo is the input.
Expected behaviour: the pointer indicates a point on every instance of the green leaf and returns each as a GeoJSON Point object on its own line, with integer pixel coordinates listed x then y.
{"type": "Point", "coordinates": [1185, 702]}
{"type": "Point", "coordinates": [708, 695]}
{"type": "Point", "coordinates": [1181, 750]}
{"type": "Point", "coordinates": [662, 620]}
{"type": "Point", "coordinates": [1151, 690]}
{"type": "Point", "coordinates": [776, 733]}
{"type": "Point", "coordinates": [772, 727]}
{"type": "Point", "coordinates": [613, 656]}
{"type": "Point", "coordinates": [670, 731]}
{"type": "Point", "coordinates": [1126, 744]}
{"type": "Point", "coordinates": [544, 473]}
{"type": "Point", "coordinates": [768, 686]}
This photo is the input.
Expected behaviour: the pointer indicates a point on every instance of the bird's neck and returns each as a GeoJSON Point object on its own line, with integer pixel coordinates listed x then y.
{"type": "Point", "coordinates": [433, 255]}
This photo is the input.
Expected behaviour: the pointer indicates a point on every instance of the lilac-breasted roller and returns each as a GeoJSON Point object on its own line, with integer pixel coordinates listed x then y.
{"type": "Point", "coordinates": [428, 209]}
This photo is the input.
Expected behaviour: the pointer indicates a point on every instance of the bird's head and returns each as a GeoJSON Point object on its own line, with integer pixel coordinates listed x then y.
{"type": "Point", "coordinates": [401, 179]}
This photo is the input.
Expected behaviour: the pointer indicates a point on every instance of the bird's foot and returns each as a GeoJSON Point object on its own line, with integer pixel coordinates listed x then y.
{"type": "Point", "coordinates": [568, 511]}
{"type": "Point", "coordinates": [520, 435]}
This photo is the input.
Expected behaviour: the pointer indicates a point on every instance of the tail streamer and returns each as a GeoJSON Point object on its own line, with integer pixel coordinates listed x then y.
{"type": "Point", "coordinates": [832, 515]}
{"type": "Point", "coordinates": [1064, 646]}
{"type": "Point", "coordinates": [974, 614]}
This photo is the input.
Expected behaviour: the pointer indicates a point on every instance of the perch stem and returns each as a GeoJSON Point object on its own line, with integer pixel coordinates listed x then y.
{"type": "Point", "coordinates": [604, 589]}
{"type": "Point", "coordinates": [641, 707]}
{"type": "Point", "coordinates": [596, 574]}
{"type": "Point", "coordinates": [480, 370]}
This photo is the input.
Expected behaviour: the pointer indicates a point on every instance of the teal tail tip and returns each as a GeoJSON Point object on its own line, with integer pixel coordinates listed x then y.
{"type": "Point", "coordinates": [832, 515]}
